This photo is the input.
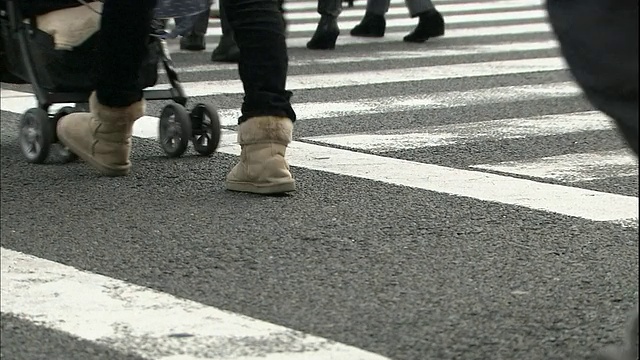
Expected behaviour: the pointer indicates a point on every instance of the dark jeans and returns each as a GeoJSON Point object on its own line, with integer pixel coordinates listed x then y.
{"type": "Point", "coordinates": [200, 22]}
{"type": "Point", "coordinates": [258, 29]}
{"type": "Point", "coordinates": [122, 47]}
{"type": "Point", "coordinates": [599, 40]}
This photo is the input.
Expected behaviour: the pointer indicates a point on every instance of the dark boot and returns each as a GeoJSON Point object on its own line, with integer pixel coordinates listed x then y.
{"type": "Point", "coordinates": [192, 42]}
{"type": "Point", "coordinates": [326, 34]}
{"type": "Point", "coordinates": [372, 25]}
{"type": "Point", "coordinates": [431, 24]}
{"type": "Point", "coordinates": [227, 50]}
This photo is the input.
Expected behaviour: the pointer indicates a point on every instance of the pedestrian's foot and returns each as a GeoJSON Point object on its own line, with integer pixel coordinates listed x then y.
{"type": "Point", "coordinates": [326, 34]}
{"type": "Point", "coordinates": [226, 51]}
{"type": "Point", "coordinates": [192, 42]}
{"type": "Point", "coordinates": [431, 24]}
{"type": "Point", "coordinates": [372, 25]}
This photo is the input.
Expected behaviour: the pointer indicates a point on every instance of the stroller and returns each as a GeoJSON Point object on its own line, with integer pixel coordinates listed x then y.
{"type": "Point", "coordinates": [27, 56]}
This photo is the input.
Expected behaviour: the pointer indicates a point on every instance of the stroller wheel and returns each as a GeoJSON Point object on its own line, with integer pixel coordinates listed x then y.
{"type": "Point", "coordinates": [37, 133]}
{"type": "Point", "coordinates": [174, 129]}
{"type": "Point", "coordinates": [205, 135]}
{"type": "Point", "coordinates": [65, 155]}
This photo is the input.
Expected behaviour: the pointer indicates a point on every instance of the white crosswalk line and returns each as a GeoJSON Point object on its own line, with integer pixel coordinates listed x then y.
{"type": "Point", "coordinates": [379, 56]}
{"type": "Point", "coordinates": [149, 323]}
{"type": "Point", "coordinates": [572, 167]}
{"type": "Point", "coordinates": [356, 78]}
{"type": "Point", "coordinates": [408, 22]}
{"type": "Point", "coordinates": [445, 9]}
{"type": "Point", "coordinates": [443, 100]}
{"type": "Point", "coordinates": [462, 133]}
{"type": "Point", "coordinates": [485, 31]}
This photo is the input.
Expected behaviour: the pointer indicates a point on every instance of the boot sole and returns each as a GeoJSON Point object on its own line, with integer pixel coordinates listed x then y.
{"type": "Point", "coordinates": [423, 39]}
{"type": "Point", "coordinates": [107, 171]}
{"type": "Point", "coordinates": [267, 189]}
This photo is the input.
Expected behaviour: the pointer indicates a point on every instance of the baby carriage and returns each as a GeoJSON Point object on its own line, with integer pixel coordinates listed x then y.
{"type": "Point", "coordinates": [28, 56]}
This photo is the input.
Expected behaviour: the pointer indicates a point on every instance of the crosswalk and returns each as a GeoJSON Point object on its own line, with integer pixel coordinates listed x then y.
{"type": "Point", "coordinates": [493, 93]}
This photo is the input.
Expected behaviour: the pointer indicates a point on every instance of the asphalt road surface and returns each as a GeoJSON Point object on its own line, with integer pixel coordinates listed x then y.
{"type": "Point", "coordinates": [457, 199]}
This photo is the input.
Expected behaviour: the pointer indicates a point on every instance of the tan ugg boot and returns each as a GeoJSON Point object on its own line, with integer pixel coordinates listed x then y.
{"type": "Point", "coordinates": [102, 137]}
{"type": "Point", "coordinates": [262, 168]}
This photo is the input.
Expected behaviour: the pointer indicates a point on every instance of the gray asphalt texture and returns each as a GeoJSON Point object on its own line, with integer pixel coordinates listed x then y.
{"type": "Point", "coordinates": [406, 273]}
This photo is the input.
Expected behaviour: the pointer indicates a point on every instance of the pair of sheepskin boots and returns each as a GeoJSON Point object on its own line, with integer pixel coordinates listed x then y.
{"type": "Point", "coordinates": [102, 138]}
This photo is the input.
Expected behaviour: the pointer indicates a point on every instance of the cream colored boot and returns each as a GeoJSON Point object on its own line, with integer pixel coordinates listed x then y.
{"type": "Point", "coordinates": [102, 137]}
{"type": "Point", "coordinates": [262, 168]}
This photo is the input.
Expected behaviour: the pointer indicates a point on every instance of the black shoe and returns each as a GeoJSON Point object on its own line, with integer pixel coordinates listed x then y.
{"type": "Point", "coordinates": [372, 25]}
{"type": "Point", "coordinates": [431, 24]}
{"type": "Point", "coordinates": [192, 42]}
{"type": "Point", "coordinates": [326, 34]}
{"type": "Point", "coordinates": [226, 51]}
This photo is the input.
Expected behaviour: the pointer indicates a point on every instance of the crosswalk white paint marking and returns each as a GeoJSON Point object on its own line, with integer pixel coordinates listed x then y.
{"type": "Point", "coordinates": [149, 323]}
{"type": "Point", "coordinates": [407, 22]}
{"type": "Point", "coordinates": [378, 56]}
{"type": "Point", "coordinates": [355, 78]}
{"type": "Point", "coordinates": [566, 200]}
{"type": "Point", "coordinates": [440, 100]}
{"type": "Point", "coordinates": [503, 30]}
{"type": "Point", "coordinates": [444, 8]}
{"type": "Point", "coordinates": [591, 205]}
{"type": "Point", "coordinates": [572, 167]}
{"type": "Point", "coordinates": [462, 133]}
{"type": "Point", "coordinates": [19, 102]}
{"type": "Point", "coordinates": [296, 11]}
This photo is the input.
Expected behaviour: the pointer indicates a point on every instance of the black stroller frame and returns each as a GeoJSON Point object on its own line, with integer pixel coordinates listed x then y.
{"type": "Point", "coordinates": [177, 125]}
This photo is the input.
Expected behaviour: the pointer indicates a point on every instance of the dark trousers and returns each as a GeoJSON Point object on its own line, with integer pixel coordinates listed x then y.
{"type": "Point", "coordinates": [258, 28]}
{"type": "Point", "coordinates": [330, 7]}
{"type": "Point", "coordinates": [122, 47]}
{"type": "Point", "coordinates": [599, 40]}
{"type": "Point", "coordinates": [199, 23]}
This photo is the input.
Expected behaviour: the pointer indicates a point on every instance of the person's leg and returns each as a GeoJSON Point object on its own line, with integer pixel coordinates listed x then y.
{"type": "Point", "coordinates": [599, 40]}
{"type": "Point", "coordinates": [103, 137]}
{"type": "Point", "coordinates": [227, 49]}
{"type": "Point", "coordinates": [327, 31]}
{"type": "Point", "coordinates": [373, 23]}
{"type": "Point", "coordinates": [195, 39]}
{"type": "Point", "coordinates": [266, 125]}
{"type": "Point", "coordinates": [431, 23]}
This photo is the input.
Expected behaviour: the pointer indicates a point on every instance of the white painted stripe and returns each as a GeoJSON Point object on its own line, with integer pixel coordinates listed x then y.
{"type": "Point", "coordinates": [440, 100]}
{"type": "Point", "coordinates": [425, 53]}
{"type": "Point", "coordinates": [296, 6]}
{"type": "Point", "coordinates": [323, 110]}
{"type": "Point", "coordinates": [488, 31]}
{"type": "Point", "coordinates": [302, 10]}
{"type": "Point", "coordinates": [321, 81]}
{"type": "Point", "coordinates": [566, 200]}
{"type": "Point", "coordinates": [356, 78]}
{"type": "Point", "coordinates": [149, 323]}
{"type": "Point", "coordinates": [462, 133]}
{"type": "Point", "coordinates": [571, 201]}
{"type": "Point", "coordinates": [591, 205]}
{"type": "Point", "coordinates": [19, 102]}
{"type": "Point", "coordinates": [572, 167]}
{"type": "Point", "coordinates": [443, 8]}
{"type": "Point", "coordinates": [407, 22]}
